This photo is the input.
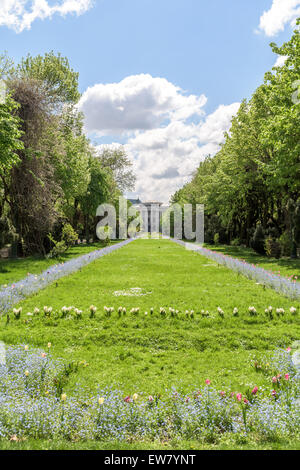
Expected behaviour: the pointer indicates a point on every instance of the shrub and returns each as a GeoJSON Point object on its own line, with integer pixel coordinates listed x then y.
{"type": "Point", "coordinates": [69, 236]}
{"type": "Point", "coordinates": [58, 249]}
{"type": "Point", "coordinates": [235, 242]}
{"type": "Point", "coordinates": [285, 244]}
{"type": "Point", "coordinates": [216, 238]}
{"type": "Point", "coordinates": [272, 248]}
{"type": "Point", "coordinates": [258, 240]}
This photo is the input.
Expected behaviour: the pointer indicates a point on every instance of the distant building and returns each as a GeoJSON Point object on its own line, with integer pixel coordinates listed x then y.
{"type": "Point", "coordinates": [151, 212]}
{"type": "Point", "coordinates": [134, 202]}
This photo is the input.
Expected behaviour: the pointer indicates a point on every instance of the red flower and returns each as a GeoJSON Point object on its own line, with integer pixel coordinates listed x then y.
{"type": "Point", "coordinates": [222, 393]}
{"type": "Point", "coordinates": [254, 391]}
{"type": "Point", "coordinates": [273, 393]}
{"type": "Point", "coordinates": [286, 376]}
{"type": "Point", "coordinates": [239, 397]}
{"type": "Point", "coordinates": [127, 399]}
{"type": "Point", "coordinates": [246, 401]}
{"type": "Point", "coordinates": [207, 381]}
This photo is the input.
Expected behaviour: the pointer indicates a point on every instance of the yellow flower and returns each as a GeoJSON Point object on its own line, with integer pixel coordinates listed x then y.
{"type": "Point", "coordinates": [26, 348]}
{"type": "Point", "coordinates": [135, 396]}
{"type": "Point", "coordinates": [26, 373]}
{"type": "Point", "coordinates": [100, 400]}
{"type": "Point", "coordinates": [49, 345]}
{"type": "Point", "coordinates": [64, 396]}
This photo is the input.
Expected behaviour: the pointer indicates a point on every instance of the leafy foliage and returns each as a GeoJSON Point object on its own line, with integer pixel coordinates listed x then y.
{"type": "Point", "coordinates": [255, 177]}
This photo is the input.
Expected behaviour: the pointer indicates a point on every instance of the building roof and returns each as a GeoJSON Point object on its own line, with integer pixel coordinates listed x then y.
{"type": "Point", "coordinates": [148, 203]}
{"type": "Point", "coordinates": [135, 201]}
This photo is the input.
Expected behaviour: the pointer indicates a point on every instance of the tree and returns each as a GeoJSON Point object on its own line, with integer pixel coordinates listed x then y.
{"type": "Point", "coordinates": [118, 162]}
{"type": "Point", "coordinates": [45, 88]}
{"type": "Point", "coordinates": [70, 157]}
{"type": "Point", "coordinates": [101, 188]}
{"type": "Point", "coordinates": [254, 180]}
{"type": "Point", "coordinates": [31, 188]}
{"type": "Point", "coordinates": [54, 72]}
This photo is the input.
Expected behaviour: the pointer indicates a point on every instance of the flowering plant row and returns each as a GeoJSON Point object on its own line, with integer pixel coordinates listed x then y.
{"type": "Point", "coordinates": [74, 312]}
{"type": "Point", "coordinates": [14, 293]}
{"type": "Point", "coordinates": [288, 286]}
{"type": "Point", "coordinates": [33, 403]}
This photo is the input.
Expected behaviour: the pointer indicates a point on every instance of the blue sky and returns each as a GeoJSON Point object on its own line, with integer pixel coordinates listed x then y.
{"type": "Point", "coordinates": [215, 51]}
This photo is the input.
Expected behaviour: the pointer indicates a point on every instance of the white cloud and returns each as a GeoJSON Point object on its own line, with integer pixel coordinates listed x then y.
{"type": "Point", "coordinates": [281, 13]}
{"type": "Point", "coordinates": [139, 102]}
{"type": "Point", "coordinates": [165, 158]}
{"type": "Point", "coordinates": [20, 14]}
{"type": "Point", "coordinates": [280, 61]}
{"type": "Point", "coordinates": [166, 131]}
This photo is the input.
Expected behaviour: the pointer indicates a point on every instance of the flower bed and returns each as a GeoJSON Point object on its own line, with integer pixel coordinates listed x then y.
{"type": "Point", "coordinates": [33, 403]}
{"type": "Point", "coordinates": [287, 286]}
{"type": "Point", "coordinates": [14, 293]}
{"type": "Point", "coordinates": [72, 312]}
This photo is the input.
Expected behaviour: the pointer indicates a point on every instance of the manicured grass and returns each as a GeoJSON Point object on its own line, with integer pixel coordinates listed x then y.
{"type": "Point", "coordinates": [149, 354]}
{"type": "Point", "coordinates": [225, 442]}
{"type": "Point", "coordinates": [283, 266]}
{"type": "Point", "coordinates": [13, 270]}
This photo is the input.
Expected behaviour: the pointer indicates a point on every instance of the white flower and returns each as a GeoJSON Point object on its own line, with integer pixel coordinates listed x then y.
{"type": "Point", "coordinates": [293, 310]}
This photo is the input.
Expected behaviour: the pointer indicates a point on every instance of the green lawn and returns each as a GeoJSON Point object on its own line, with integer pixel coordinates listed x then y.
{"type": "Point", "coordinates": [283, 266]}
{"type": "Point", "coordinates": [149, 354]}
{"type": "Point", "coordinates": [13, 270]}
